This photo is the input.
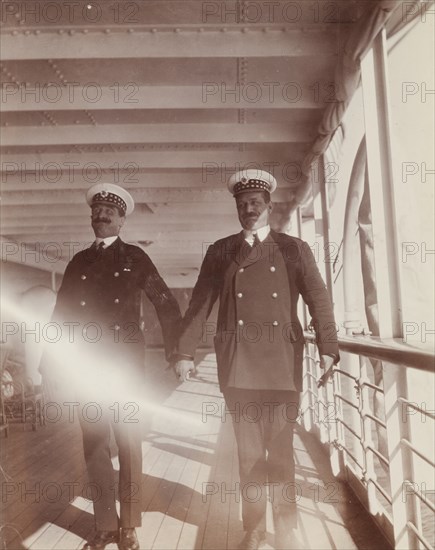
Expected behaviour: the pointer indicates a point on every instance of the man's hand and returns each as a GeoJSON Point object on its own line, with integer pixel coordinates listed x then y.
{"type": "Point", "coordinates": [326, 364]}
{"type": "Point", "coordinates": [183, 368]}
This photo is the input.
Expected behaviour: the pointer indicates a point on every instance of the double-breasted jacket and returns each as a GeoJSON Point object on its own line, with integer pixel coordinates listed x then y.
{"type": "Point", "coordinates": [259, 339]}
{"type": "Point", "coordinates": [98, 306]}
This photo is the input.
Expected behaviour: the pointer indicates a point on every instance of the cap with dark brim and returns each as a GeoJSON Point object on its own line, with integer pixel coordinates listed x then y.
{"type": "Point", "coordinates": [112, 195]}
{"type": "Point", "coordinates": [251, 180]}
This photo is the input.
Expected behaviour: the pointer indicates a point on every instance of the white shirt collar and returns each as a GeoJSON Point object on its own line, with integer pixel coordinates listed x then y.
{"type": "Point", "coordinates": [262, 233]}
{"type": "Point", "coordinates": [107, 240]}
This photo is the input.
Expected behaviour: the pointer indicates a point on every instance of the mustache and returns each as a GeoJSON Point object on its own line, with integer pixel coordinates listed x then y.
{"type": "Point", "coordinates": [100, 220]}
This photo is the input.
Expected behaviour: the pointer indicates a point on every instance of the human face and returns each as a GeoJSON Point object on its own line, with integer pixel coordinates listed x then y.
{"type": "Point", "coordinates": [106, 220]}
{"type": "Point", "coordinates": [252, 209]}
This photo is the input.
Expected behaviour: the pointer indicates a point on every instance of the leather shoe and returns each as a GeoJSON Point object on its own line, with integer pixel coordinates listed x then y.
{"type": "Point", "coordinates": [252, 540]}
{"type": "Point", "coordinates": [101, 540]}
{"type": "Point", "coordinates": [128, 539]}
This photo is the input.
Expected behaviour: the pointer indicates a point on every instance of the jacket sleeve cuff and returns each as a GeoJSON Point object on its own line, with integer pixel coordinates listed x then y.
{"type": "Point", "coordinates": [335, 356]}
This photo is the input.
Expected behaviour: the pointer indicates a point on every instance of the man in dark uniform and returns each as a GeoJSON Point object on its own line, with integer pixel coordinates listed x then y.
{"type": "Point", "coordinates": [258, 275]}
{"type": "Point", "coordinates": [100, 298]}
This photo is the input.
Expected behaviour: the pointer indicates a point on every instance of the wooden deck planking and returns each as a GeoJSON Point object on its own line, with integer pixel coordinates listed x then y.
{"type": "Point", "coordinates": [158, 493]}
{"type": "Point", "coordinates": [216, 527]}
{"type": "Point", "coordinates": [70, 518]}
{"type": "Point", "coordinates": [194, 523]}
{"type": "Point", "coordinates": [235, 527]}
{"type": "Point", "coordinates": [172, 524]}
{"type": "Point", "coordinates": [81, 520]}
{"type": "Point", "coordinates": [25, 510]}
{"type": "Point", "coordinates": [197, 440]}
{"type": "Point", "coordinates": [33, 514]}
{"type": "Point", "coordinates": [182, 452]}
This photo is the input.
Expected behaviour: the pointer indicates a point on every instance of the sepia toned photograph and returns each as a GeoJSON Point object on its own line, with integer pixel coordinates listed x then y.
{"type": "Point", "coordinates": [217, 300]}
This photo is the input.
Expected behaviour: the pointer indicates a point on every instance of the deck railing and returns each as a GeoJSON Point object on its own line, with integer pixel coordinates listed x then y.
{"type": "Point", "coordinates": [378, 436]}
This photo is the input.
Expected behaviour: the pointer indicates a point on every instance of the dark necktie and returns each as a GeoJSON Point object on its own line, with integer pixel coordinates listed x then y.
{"type": "Point", "coordinates": [256, 240]}
{"type": "Point", "coordinates": [100, 248]}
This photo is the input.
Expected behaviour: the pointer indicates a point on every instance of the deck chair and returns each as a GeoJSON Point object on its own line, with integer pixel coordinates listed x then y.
{"type": "Point", "coordinates": [23, 400]}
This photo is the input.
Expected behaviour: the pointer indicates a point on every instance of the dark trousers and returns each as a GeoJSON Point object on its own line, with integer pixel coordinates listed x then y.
{"type": "Point", "coordinates": [263, 422]}
{"type": "Point", "coordinates": [96, 439]}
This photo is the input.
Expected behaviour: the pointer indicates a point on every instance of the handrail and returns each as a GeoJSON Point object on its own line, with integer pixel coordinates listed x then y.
{"type": "Point", "coordinates": [401, 521]}
{"type": "Point", "coordinates": [392, 350]}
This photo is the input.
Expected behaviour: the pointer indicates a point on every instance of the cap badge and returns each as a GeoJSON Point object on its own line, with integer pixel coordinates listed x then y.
{"type": "Point", "coordinates": [104, 193]}
{"type": "Point", "coordinates": [243, 180]}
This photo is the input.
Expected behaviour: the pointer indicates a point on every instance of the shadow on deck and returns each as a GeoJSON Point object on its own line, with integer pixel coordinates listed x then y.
{"type": "Point", "coordinates": [190, 479]}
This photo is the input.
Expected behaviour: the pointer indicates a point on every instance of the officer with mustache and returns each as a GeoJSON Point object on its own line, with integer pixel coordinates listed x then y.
{"type": "Point", "coordinates": [258, 276]}
{"type": "Point", "coordinates": [101, 296]}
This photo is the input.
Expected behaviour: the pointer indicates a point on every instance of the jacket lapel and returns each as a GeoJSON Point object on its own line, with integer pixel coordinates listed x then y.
{"type": "Point", "coordinates": [237, 248]}
{"type": "Point", "coordinates": [251, 255]}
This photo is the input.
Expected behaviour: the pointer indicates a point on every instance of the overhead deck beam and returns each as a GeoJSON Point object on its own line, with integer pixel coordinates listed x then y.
{"type": "Point", "coordinates": [83, 14]}
{"type": "Point", "coordinates": [157, 133]}
{"type": "Point", "coordinates": [13, 252]}
{"type": "Point", "coordinates": [161, 195]}
{"type": "Point", "coordinates": [240, 42]}
{"type": "Point", "coordinates": [294, 93]}
{"type": "Point", "coordinates": [208, 178]}
{"type": "Point", "coordinates": [85, 163]}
